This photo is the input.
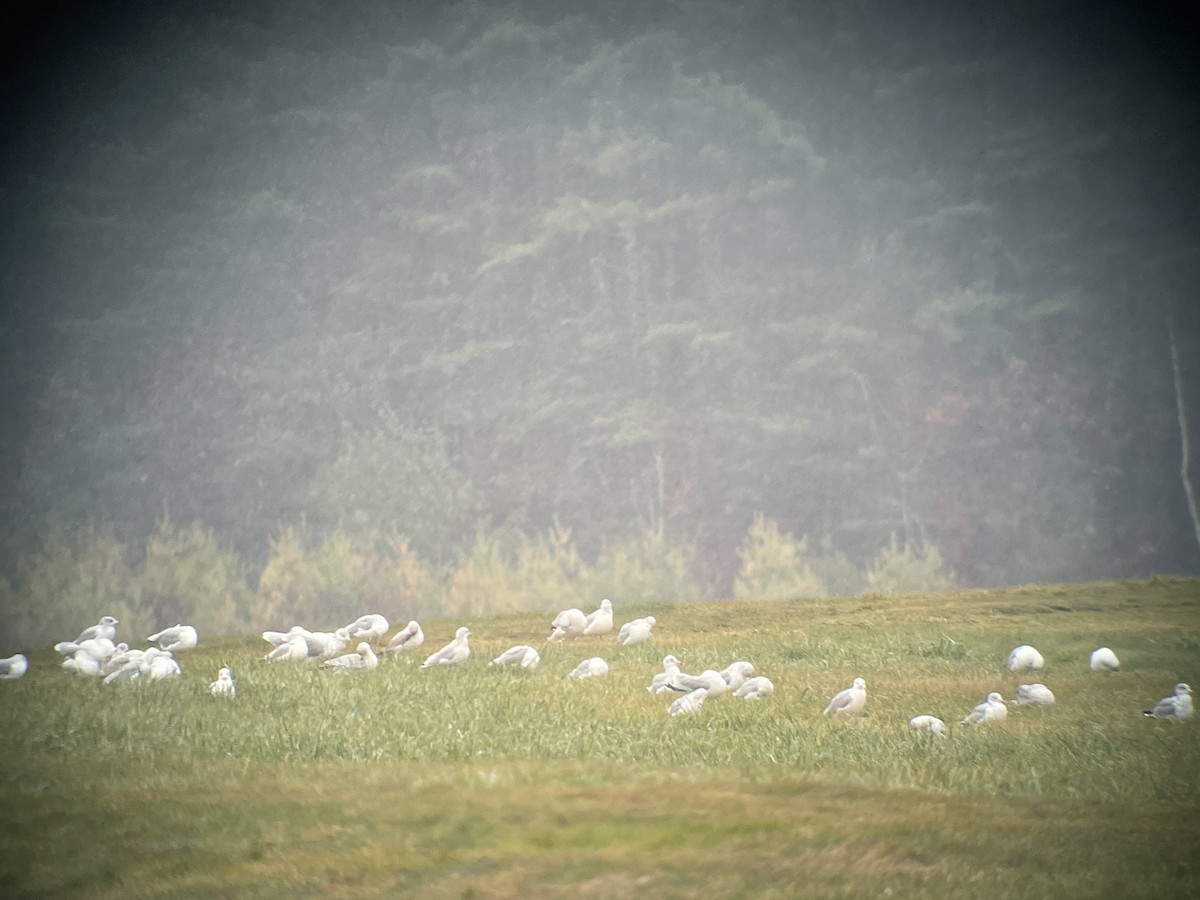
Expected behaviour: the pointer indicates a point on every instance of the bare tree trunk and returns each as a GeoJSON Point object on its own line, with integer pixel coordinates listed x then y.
{"type": "Point", "coordinates": [1184, 443]}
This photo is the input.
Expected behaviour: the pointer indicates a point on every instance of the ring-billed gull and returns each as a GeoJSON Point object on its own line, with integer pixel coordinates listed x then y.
{"type": "Point", "coordinates": [224, 686]}
{"type": "Point", "coordinates": [1034, 695]}
{"type": "Point", "coordinates": [454, 652]}
{"type": "Point", "coordinates": [568, 623]}
{"type": "Point", "coordinates": [275, 638]}
{"type": "Point", "coordinates": [371, 627]}
{"type": "Point", "coordinates": [123, 666]}
{"type": "Point", "coordinates": [521, 655]}
{"type": "Point", "coordinates": [601, 620]}
{"type": "Point", "coordinates": [709, 679]}
{"type": "Point", "coordinates": [105, 628]}
{"type": "Point", "coordinates": [1177, 706]}
{"type": "Point", "coordinates": [363, 657]}
{"type": "Point", "coordinates": [589, 668]}
{"type": "Point", "coordinates": [1024, 659]}
{"type": "Point", "coordinates": [736, 673]}
{"type": "Point", "coordinates": [295, 648]}
{"type": "Point", "coordinates": [660, 682]}
{"type": "Point", "coordinates": [688, 703]}
{"type": "Point", "coordinates": [756, 688]}
{"type": "Point", "coordinates": [176, 638]}
{"type": "Point", "coordinates": [14, 667]}
{"type": "Point", "coordinates": [326, 644]}
{"type": "Point", "coordinates": [1103, 660]}
{"type": "Point", "coordinates": [410, 637]}
{"type": "Point", "coordinates": [637, 631]}
{"type": "Point", "coordinates": [990, 710]}
{"type": "Point", "coordinates": [101, 649]}
{"type": "Point", "coordinates": [82, 663]}
{"type": "Point", "coordinates": [158, 664]}
{"type": "Point", "coordinates": [849, 702]}
{"type": "Point", "coordinates": [929, 724]}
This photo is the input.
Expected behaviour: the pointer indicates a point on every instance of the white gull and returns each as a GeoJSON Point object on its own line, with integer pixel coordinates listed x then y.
{"type": "Point", "coordinates": [1025, 659]}
{"type": "Point", "coordinates": [756, 688]}
{"type": "Point", "coordinates": [1034, 695]}
{"type": "Point", "coordinates": [224, 686]}
{"type": "Point", "coordinates": [14, 667]}
{"type": "Point", "coordinates": [600, 621]}
{"type": "Point", "coordinates": [176, 638]}
{"type": "Point", "coordinates": [1177, 706]}
{"type": "Point", "coordinates": [410, 637]}
{"type": "Point", "coordinates": [1103, 660]}
{"type": "Point", "coordinates": [850, 701]}
{"type": "Point", "coordinates": [454, 652]}
{"type": "Point", "coordinates": [521, 655]}
{"type": "Point", "coordinates": [990, 710]}
{"type": "Point", "coordinates": [589, 668]}
{"type": "Point", "coordinates": [688, 703]}
{"type": "Point", "coordinates": [636, 631]}
{"type": "Point", "coordinates": [568, 623]}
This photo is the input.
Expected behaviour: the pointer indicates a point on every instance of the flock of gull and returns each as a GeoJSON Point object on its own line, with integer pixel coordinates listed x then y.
{"type": "Point", "coordinates": [96, 654]}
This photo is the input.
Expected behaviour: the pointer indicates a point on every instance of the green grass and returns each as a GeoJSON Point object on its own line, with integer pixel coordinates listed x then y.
{"type": "Point", "coordinates": [478, 782]}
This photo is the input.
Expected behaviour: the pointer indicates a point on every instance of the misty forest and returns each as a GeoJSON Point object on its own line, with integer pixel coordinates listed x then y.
{"type": "Point", "coordinates": [451, 309]}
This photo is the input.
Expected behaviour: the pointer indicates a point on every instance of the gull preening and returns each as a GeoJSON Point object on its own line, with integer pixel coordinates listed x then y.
{"type": "Point", "coordinates": [1103, 660]}
{"type": "Point", "coordinates": [736, 673]}
{"type": "Point", "coordinates": [990, 710]}
{"type": "Point", "coordinates": [100, 649]}
{"type": "Point", "coordinates": [14, 667]}
{"type": "Point", "coordinates": [849, 702]}
{"type": "Point", "coordinates": [454, 652]}
{"type": "Point", "coordinates": [224, 686]}
{"type": "Point", "coordinates": [371, 627]}
{"type": "Point", "coordinates": [293, 648]}
{"type": "Point", "coordinates": [363, 657]}
{"type": "Point", "coordinates": [1177, 706]}
{"type": "Point", "coordinates": [176, 638]}
{"type": "Point", "coordinates": [600, 621]}
{"type": "Point", "coordinates": [83, 664]}
{"type": "Point", "coordinates": [757, 688]}
{"type": "Point", "coordinates": [410, 637]}
{"type": "Point", "coordinates": [568, 623]}
{"type": "Point", "coordinates": [928, 725]}
{"type": "Point", "coordinates": [521, 655]}
{"type": "Point", "coordinates": [636, 631]}
{"type": "Point", "coordinates": [326, 644]}
{"type": "Point", "coordinates": [156, 664]}
{"type": "Point", "coordinates": [589, 668]}
{"type": "Point", "coordinates": [688, 703]}
{"type": "Point", "coordinates": [1025, 659]}
{"type": "Point", "coordinates": [1034, 695]}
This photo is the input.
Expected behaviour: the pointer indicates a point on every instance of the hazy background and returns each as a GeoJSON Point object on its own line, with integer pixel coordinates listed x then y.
{"type": "Point", "coordinates": [564, 294]}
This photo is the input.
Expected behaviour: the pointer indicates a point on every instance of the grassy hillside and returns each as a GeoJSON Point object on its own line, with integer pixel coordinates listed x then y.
{"type": "Point", "coordinates": [477, 782]}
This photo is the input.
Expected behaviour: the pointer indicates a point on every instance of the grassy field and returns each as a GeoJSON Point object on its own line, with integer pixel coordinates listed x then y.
{"type": "Point", "coordinates": [477, 782]}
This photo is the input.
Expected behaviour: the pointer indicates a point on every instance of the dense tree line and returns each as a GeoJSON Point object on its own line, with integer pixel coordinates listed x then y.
{"type": "Point", "coordinates": [890, 278]}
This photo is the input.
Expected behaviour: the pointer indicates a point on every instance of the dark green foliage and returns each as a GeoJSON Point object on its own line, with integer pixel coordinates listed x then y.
{"type": "Point", "coordinates": [637, 269]}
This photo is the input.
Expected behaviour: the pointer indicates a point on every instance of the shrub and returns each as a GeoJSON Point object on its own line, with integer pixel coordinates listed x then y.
{"type": "Point", "coordinates": [908, 569]}
{"type": "Point", "coordinates": [188, 577]}
{"type": "Point", "coordinates": [774, 566]}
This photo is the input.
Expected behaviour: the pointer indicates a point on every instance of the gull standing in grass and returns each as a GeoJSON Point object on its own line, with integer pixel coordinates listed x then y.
{"type": "Point", "coordinates": [363, 657]}
{"type": "Point", "coordinates": [275, 638]}
{"type": "Point", "coordinates": [101, 649]}
{"type": "Point", "coordinates": [661, 681]}
{"type": "Point", "coordinates": [601, 620]}
{"type": "Point", "coordinates": [589, 668]}
{"type": "Point", "coordinates": [180, 637]}
{"type": "Point", "coordinates": [849, 702]}
{"type": "Point", "coordinates": [83, 664]}
{"type": "Point", "coordinates": [990, 710]}
{"type": "Point", "coordinates": [410, 637]}
{"type": "Point", "coordinates": [521, 655]}
{"type": "Point", "coordinates": [1025, 659]}
{"type": "Point", "coordinates": [1034, 695]}
{"type": "Point", "coordinates": [928, 724]}
{"type": "Point", "coordinates": [1103, 660]}
{"type": "Point", "coordinates": [688, 703]}
{"type": "Point", "coordinates": [454, 652]}
{"type": "Point", "coordinates": [14, 667]}
{"type": "Point", "coordinates": [123, 666]}
{"type": "Point", "coordinates": [636, 631]}
{"type": "Point", "coordinates": [224, 686]}
{"type": "Point", "coordinates": [757, 688]}
{"type": "Point", "coordinates": [568, 623]}
{"type": "Point", "coordinates": [1177, 706]}
{"type": "Point", "coordinates": [158, 664]}
{"type": "Point", "coordinates": [371, 627]}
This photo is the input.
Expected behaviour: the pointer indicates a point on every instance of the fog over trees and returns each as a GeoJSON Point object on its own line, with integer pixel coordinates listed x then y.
{"type": "Point", "coordinates": [693, 282]}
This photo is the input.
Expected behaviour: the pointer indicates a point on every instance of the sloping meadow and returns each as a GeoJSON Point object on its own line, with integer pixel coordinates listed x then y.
{"type": "Point", "coordinates": [476, 780]}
